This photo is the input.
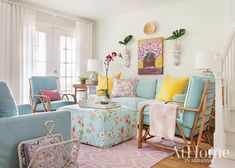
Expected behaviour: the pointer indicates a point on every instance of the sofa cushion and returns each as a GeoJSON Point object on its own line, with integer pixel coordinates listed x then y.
{"type": "Point", "coordinates": [102, 83]}
{"type": "Point", "coordinates": [159, 84]}
{"type": "Point", "coordinates": [43, 82]}
{"type": "Point", "coordinates": [24, 109]}
{"type": "Point", "coordinates": [171, 87]}
{"type": "Point", "coordinates": [128, 101]}
{"type": "Point", "coordinates": [8, 106]}
{"type": "Point", "coordinates": [193, 98]}
{"type": "Point", "coordinates": [146, 88]}
{"type": "Point", "coordinates": [54, 105]}
{"type": "Point", "coordinates": [52, 94]}
{"type": "Point", "coordinates": [124, 87]}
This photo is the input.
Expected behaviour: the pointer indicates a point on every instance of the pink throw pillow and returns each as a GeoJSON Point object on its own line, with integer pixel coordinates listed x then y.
{"type": "Point", "coordinates": [124, 87]}
{"type": "Point", "coordinates": [52, 94]}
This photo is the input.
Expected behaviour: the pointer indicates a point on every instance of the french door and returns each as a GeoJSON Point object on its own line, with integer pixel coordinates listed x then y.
{"type": "Point", "coordinates": [55, 54]}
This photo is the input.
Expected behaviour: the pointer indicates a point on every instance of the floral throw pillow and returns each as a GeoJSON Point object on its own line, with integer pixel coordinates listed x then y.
{"type": "Point", "coordinates": [124, 87]}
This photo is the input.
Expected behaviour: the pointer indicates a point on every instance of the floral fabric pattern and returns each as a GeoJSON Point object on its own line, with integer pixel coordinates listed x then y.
{"type": "Point", "coordinates": [103, 127]}
{"type": "Point", "coordinates": [124, 87]}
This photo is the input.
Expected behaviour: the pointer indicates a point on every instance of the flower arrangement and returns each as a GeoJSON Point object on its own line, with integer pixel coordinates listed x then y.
{"type": "Point", "coordinates": [108, 59]}
{"type": "Point", "coordinates": [149, 47]}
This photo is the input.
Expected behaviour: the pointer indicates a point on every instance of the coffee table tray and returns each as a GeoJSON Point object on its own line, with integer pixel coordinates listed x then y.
{"type": "Point", "coordinates": [99, 106]}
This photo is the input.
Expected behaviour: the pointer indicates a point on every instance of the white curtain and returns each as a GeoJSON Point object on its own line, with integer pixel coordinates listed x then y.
{"type": "Point", "coordinates": [17, 29]}
{"type": "Point", "coordinates": [84, 31]}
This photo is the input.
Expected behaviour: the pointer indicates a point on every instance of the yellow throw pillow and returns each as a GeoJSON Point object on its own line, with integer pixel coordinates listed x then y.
{"type": "Point", "coordinates": [170, 87]}
{"type": "Point", "coordinates": [102, 83]}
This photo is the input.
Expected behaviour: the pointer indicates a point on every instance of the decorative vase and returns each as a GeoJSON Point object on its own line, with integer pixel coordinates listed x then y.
{"type": "Point", "coordinates": [104, 100]}
{"type": "Point", "coordinates": [176, 54]}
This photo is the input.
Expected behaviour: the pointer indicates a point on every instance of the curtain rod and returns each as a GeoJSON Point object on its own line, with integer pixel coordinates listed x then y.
{"type": "Point", "coordinates": [47, 11]}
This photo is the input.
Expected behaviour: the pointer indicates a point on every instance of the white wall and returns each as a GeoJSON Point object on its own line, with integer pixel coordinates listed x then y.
{"type": "Point", "coordinates": [206, 23]}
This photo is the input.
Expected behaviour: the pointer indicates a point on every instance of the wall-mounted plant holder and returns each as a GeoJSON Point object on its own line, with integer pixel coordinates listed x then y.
{"type": "Point", "coordinates": [127, 58]}
{"type": "Point", "coordinates": [126, 54]}
{"type": "Point", "coordinates": [176, 54]}
{"type": "Point", "coordinates": [176, 50]}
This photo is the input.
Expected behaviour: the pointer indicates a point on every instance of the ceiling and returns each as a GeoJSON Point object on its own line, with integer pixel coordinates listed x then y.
{"type": "Point", "coordinates": [98, 9]}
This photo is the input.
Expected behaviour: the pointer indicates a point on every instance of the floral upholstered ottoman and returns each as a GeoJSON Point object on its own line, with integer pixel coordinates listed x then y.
{"type": "Point", "coordinates": [103, 127]}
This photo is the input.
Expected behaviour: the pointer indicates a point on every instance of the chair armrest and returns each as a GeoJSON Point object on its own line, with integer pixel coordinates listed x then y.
{"type": "Point", "coordinates": [42, 99]}
{"type": "Point", "coordinates": [174, 101]}
{"type": "Point", "coordinates": [24, 109]}
{"type": "Point", "coordinates": [183, 108]}
{"type": "Point", "coordinates": [66, 95]}
{"type": "Point", "coordinates": [14, 130]}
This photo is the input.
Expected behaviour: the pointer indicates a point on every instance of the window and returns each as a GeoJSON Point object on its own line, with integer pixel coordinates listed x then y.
{"type": "Point", "coordinates": [40, 57]}
{"type": "Point", "coordinates": [55, 54]}
{"type": "Point", "coordinates": [67, 63]}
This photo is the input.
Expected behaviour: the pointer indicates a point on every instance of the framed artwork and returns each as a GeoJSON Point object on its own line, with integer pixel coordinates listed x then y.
{"type": "Point", "coordinates": [150, 56]}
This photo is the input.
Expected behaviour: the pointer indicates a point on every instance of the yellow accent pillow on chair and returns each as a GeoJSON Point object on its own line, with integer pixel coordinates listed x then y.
{"type": "Point", "coordinates": [102, 84]}
{"type": "Point", "coordinates": [170, 87]}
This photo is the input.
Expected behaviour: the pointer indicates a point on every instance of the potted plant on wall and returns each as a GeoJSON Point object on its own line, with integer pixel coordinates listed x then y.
{"type": "Point", "coordinates": [176, 50]}
{"type": "Point", "coordinates": [126, 54]}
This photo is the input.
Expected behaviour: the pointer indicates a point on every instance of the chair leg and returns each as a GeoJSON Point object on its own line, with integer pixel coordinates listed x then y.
{"type": "Point", "coordinates": [141, 124]}
{"type": "Point", "coordinates": [140, 134]}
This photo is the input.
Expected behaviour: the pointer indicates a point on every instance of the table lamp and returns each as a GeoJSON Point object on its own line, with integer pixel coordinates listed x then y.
{"type": "Point", "coordinates": [94, 66]}
{"type": "Point", "coordinates": [204, 61]}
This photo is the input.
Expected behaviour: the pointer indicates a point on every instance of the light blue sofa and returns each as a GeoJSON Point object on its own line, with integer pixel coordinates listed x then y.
{"type": "Point", "coordinates": [148, 89]}
{"type": "Point", "coordinates": [17, 123]}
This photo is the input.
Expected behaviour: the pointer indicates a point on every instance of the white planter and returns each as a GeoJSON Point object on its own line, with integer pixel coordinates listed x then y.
{"type": "Point", "coordinates": [176, 54]}
{"type": "Point", "coordinates": [127, 58]}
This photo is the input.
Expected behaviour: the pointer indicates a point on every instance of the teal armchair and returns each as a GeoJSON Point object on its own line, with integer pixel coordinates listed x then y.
{"type": "Point", "coordinates": [17, 124]}
{"type": "Point", "coordinates": [196, 110]}
{"type": "Point", "coordinates": [42, 103]}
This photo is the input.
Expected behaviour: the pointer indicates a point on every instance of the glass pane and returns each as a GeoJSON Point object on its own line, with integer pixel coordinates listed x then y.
{"type": "Point", "coordinates": [62, 42]}
{"type": "Point", "coordinates": [62, 84]}
{"type": "Point", "coordinates": [62, 70]}
{"type": "Point", "coordinates": [37, 34]}
{"type": "Point", "coordinates": [74, 44]}
{"type": "Point", "coordinates": [69, 70]}
{"type": "Point", "coordinates": [67, 62]}
{"type": "Point", "coordinates": [69, 43]}
{"type": "Point", "coordinates": [69, 56]}
{"type": "Point", "coordinates": [42, 38]}
{"type": "Point", "coordinates": [41, 56]}
{"type": "Point", "coordinates": [40, 68]}
{"type": "Point", "coordinates": [62, 56]}
{"type": "Point", "coordinates": [69, 84]}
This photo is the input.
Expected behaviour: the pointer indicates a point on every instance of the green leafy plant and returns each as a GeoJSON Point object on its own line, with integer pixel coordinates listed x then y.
{"type": "Point", "coordinates": [149, 57]}
{"type": "Point", "coordinates": [176, 34]}
{"type": "Point", "coordinates": [82, 79]}
{"type": "Point", "coordinates": [105, 93]}
{"type": "Point", "coordinates": [126, 40]}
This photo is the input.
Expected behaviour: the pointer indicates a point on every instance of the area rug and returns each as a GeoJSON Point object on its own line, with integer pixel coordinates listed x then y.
{"type": "Point", "coordinates": [125, 155]}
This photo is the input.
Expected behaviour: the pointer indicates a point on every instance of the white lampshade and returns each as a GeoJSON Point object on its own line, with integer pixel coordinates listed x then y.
{"type": "Point", "coordinates": [94, 65]}
{"type": "Point", "coordinates": [204, 60]}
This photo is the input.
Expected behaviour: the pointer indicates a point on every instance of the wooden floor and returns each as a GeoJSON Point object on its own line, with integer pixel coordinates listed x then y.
{"type": "Point", "coordinates": [174, 162]}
